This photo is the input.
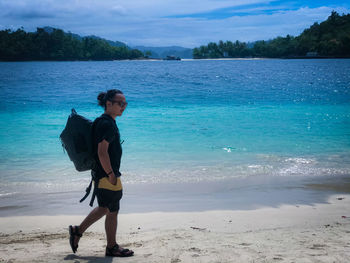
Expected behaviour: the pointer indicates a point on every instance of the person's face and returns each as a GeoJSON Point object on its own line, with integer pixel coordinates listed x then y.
{"type": "Point", "coordinates": [118, 104]}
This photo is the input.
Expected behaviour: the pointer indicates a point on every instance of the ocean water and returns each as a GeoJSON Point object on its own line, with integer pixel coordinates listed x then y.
{"type": "Point", "coordinates": [187, 121]}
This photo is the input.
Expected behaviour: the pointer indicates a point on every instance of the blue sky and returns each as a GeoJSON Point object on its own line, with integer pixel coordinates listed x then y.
{"type": "Point", "coordinates": [170, 22]}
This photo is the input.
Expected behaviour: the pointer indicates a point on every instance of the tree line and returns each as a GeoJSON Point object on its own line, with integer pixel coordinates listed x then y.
{"type": "Point", "coordinates": [330, 38]}
{"type": "Point", "coordinates": [57, 45]}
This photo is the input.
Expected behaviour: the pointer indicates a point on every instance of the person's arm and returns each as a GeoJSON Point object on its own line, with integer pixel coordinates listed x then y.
{"type": "Point", "coordinates": [102, 151]}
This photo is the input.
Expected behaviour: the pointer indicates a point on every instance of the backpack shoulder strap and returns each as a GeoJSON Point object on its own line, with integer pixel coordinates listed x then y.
{"type": "Point", "coordinates": [93, 176]}
{"type": "Point", "coordinates": [87, 190]}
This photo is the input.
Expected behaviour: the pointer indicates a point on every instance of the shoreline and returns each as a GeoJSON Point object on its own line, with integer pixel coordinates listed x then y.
{"type": "Point", "coordinates": [286, 233]}
{"type": "Point", "coordinates": [232, 194]}
{"type": "Point", "coordinates": [182, 59]}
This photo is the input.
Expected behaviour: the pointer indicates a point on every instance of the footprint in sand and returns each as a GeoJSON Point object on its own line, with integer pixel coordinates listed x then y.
{"type": "Point", "coordinates": [194, 249]}
{"type": "Point", "coordinates": [245, 244]}
{"type": "Point", "coordinates": [277, 258]}
{"type": "Point", "coordinates": [318, 246]}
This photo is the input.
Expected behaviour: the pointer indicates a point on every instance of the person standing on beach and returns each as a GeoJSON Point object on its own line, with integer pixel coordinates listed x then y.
{"type": "Point", "coordinates": [108, 187]}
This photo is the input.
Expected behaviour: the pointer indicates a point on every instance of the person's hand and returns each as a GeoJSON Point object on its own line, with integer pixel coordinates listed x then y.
{"type": "Point", "coordinates": [112, 179]}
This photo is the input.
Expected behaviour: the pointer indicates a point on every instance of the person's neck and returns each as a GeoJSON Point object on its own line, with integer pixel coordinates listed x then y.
{"type": "Point", "coordinates": [110, 114]}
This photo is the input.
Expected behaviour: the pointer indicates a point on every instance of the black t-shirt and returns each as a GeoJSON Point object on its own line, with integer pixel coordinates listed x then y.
{"type": "Point", "coordinates": [105, 128]}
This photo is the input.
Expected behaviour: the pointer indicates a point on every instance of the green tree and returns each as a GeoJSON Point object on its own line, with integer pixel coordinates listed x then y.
{"type": "Point", "coordinates": [57, 45]}
{"type": "Point", "coordinates": [330, 38]}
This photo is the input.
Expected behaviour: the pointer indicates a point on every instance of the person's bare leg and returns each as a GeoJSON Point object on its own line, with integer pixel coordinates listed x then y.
{"type": "Point", "coordinates": [91, 218]}
{"type": "Point", "coordinates": [111, 231]}
{"type": "Point", "coordinates": [111, 228]}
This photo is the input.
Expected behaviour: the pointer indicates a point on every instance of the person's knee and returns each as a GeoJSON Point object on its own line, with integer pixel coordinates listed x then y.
{"type": "Point", "coordinates": [103, 210]}
{"type": "Point", "coordinates": [113, 213]}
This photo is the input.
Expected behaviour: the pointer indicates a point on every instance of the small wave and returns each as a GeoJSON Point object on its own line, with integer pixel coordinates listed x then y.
{"type": "Point", "coordinates": [258, 166]}
{"type": "Point", "coordinates": [7, 194]}
{"type": "Point", "coordinates": [299, 160]}
{"type": "Point", "coordinates": [228, 149]}
{"type": "Point", "coordinates": [300, 169]}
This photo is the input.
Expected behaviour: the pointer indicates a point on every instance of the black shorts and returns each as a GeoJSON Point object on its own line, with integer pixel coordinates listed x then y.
{"type": "Point", "coordinates": [109, 199]}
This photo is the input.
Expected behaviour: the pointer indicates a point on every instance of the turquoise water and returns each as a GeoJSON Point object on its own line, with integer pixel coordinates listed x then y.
{"type": "Point", "coordinates": [187, 121]}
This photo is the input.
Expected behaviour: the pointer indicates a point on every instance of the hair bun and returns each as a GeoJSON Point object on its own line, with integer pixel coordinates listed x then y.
{"type": "Point", "coordinates": [101, 98]}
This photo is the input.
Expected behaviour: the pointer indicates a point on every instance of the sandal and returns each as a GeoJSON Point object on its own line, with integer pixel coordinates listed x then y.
{"type": "Point", "coordinates": [73, 232]}
{"type": "Point", "coordinates": [117, 251]}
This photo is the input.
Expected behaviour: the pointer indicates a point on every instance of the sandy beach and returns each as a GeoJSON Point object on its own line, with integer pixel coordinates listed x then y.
{"type": "Point", "coordinates": [289, 233]}
{"type": "Point", "coordinates": [223, 161]}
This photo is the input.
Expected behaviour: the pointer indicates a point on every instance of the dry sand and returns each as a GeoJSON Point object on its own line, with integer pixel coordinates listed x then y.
{"type": "Point", "coordinates": [319, 233]}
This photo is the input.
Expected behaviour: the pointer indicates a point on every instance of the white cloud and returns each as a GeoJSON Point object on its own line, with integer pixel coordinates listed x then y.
{"type": "Point", "coordinates": [119, 10]}
{"type": "Point", "coordinates": [150, 8]}
{"type": "Point", "coordinates": [139, 22]}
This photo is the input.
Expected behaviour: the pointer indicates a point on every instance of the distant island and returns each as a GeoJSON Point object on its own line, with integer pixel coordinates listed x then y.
{"type": "Point", "coordinates": [329, 39]}
{"type": "Point", "coordinates": [55, 44]}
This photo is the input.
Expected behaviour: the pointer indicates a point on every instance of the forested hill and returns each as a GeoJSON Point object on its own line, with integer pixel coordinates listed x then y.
{"type": "Point", "coordinates": [330, 38]}
{"type": "Point", "coordinates": [55, 44]}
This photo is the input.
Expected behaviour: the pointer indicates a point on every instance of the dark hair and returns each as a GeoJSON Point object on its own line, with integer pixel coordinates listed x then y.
{"type": "Point", "coordinates": [103, 97]}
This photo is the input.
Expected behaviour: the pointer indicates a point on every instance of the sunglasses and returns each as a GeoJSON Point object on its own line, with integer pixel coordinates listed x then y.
{"type": "Point", "coordinates": [122, 104]}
